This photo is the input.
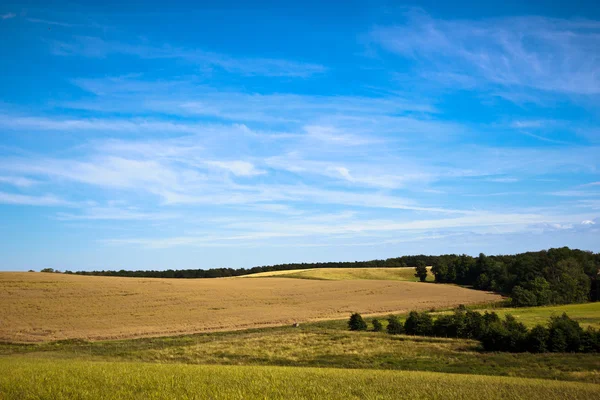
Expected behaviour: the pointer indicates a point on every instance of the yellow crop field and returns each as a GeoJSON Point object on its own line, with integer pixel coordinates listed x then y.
{"type": "Point", "coordinates": [43, 306]}
{"type": "Point", "coordinates": [335, 274]}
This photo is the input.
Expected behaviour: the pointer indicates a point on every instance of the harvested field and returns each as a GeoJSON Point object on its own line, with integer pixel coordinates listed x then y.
{"type": "Point", "coordinates": [43, 306]}
{"type": "Point", "coordinates": [339, 274]}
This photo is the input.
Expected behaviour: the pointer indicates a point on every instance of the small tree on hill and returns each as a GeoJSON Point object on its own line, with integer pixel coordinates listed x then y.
{"type": "Point", "coordinates": [421, 271]}
{"type": "Point", "coordinates": [377, 326]}
{"type": "Point", "coordinates": [357, 323]}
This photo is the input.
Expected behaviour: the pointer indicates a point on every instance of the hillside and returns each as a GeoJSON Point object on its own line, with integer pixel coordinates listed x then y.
{"type": "Point", "coordinates": [339, 274]}
{"type": "Point", "coordinates": [45, 306]}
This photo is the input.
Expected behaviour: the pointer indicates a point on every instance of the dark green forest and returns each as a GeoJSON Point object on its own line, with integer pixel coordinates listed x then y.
{"type": "Point", "coordinates": [554, 276]}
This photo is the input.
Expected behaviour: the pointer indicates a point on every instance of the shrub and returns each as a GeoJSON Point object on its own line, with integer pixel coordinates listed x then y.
{"type": "Point", "coordinates": [394, 327]}
{"type": "Point", "coordinates": [565, 334]}
{"type": "Point", "coordinates": [47, 270]}
{"type": "Point", "coordinates": [443, 326]}
{"type": "Point", "coordinates": [474, 325]}
{"type": "Point", "coordinates": [495, 338]}
{"type": "Point", "coordinates": [459, 323]}
{"type": "Point", "coordinates": [490, 318]}
{"type": "Point", "coordinates": [590, 340]}
{"type": "Point", "coordinates": [557, 342]}
{"type": "Point", "coordinates": [357, 323]}
{"type": "Point", "coordinates": [537, 339]}
{"type": "Point", "coordinates": [508, 335]}
{"type": "Point", "coordinates": [377, 327]}
{"type": "Point", "coordinates": [517, 334]}
{"type": "Point", "coordinates": [418, 324]}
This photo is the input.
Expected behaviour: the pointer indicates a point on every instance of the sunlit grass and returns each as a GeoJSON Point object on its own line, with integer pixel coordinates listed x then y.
{"type": "Point", "coordinates": [42, 379]}
{"type": "Point", "coordinates": [587, 314]}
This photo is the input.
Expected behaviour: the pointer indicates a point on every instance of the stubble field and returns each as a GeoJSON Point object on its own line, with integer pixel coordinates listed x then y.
{"type": "Point", "coordinates": [39, 307]}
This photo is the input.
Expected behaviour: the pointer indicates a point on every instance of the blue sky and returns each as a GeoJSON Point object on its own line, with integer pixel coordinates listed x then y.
{"type": "Point", "coordinates": [210, 135]}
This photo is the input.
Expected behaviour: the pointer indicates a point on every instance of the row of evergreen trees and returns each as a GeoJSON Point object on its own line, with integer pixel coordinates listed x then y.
{"type": "Point", "coordinates": [562, 334]}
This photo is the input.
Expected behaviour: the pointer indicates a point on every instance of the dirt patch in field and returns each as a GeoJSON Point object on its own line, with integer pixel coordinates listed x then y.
{"type": "Point", "coordinates": [40, 306]}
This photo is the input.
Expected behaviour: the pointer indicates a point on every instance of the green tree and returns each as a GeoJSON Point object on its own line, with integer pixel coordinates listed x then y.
{"type": "Point", "coordinates": [537, 339]}
{"type": "Point", "coordinates": [565, 334]}
{"type": "Point", "coordinates": [395, 327]}
{"type": "Point", "coordinates": [521, 297]}
{"type": "Point", "coordinates": [377, 326]}
{"type": "Point", "coordinates": [568, 282]}
{"type": "Point", "coordinates": [357, 323]}
{"type": "Point", "coordinates": [421, 271]}
{"type": "Point", "coordinates": [418, 324]}
{"type": "Point", "coordinates": [47, 270]}
{"type": "Point", "coordinates": [440, 271]}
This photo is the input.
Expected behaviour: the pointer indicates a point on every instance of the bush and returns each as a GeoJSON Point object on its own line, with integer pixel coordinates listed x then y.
{"type": "Point", "coordinates": [517, 334]}
{"type": "Point", "coordinates": [357, 323]}
{"type": "Point", "coordinates": [590, 341]}
{"type": "Point", "coordinates": [490, 318]}
{"type": "Point", "coordinates": [418, 324]}
{"type": "Point", "coordinates": [377, 327]}
{"type": "Point", "coordinates": [475, 325]}
{"type": "Point", "coordinates": [443, 326]}
{"type": "Point", "coordinates": [537, 339]}
{"type": "Point", "coordinates": [565, 334]}
{"type": "Point", "coordinates": [47, 270]}
{"type": "Point", "coordinates": [495, 338]}
{"type": "Point", "coordinates": [508, 335]}
{"type": "Point", "coordinates": [394, 327]}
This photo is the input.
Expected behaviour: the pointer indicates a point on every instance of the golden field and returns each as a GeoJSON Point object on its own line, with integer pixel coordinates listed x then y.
{"type": "Point", "coordinates": [337, 274]}
{"type": "Point", "coordinates": [43, 306]}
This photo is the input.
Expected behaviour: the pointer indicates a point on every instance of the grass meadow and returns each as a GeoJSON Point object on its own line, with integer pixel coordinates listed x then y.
{"type": "Point", "coordinates": [587, 314]}
{"type": "Point", "coordinates": [43, 379]}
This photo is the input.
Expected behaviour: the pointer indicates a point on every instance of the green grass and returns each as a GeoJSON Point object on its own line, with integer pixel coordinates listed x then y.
{"type": "Point", "coordinates": [326, 344]}
{"type": "Point", "coordinates": [339, 274]}
{"type": "Point", "coordinates": [38, 379]}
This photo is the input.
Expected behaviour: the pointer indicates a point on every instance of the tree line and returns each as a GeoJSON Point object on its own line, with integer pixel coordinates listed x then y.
{"type": "Point", "coordinates": [561, 334]}
{"type": "Point", "coordinates": [554, 276]}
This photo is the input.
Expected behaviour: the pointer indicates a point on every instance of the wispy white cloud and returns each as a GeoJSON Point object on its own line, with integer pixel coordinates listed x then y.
{"type": "Point", "coordinates": [89, 46]}
{"type": "Point", "coordinates": [239, 168]}
{"type": "Point", "coordinates": [543, 53]}
{"type": "Point", "coordinates": [27, 200]}
{"type": "Point", "coordinates": [187, 97]}
{"type": "Point", "coordinates": [575, 193]}
{"type": "Point", "coordinates": [8, 15]}
{"type": "Point", "coordinates": [50, 22]}
{"type": "Point", "coordinates": [116, 214]}
{"type": "Point", "coordinates": [17, 181]}
{"type": "Point", "coordinates": [348, 229]}
{"type": "Point", "coordinates": [94, 124]}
